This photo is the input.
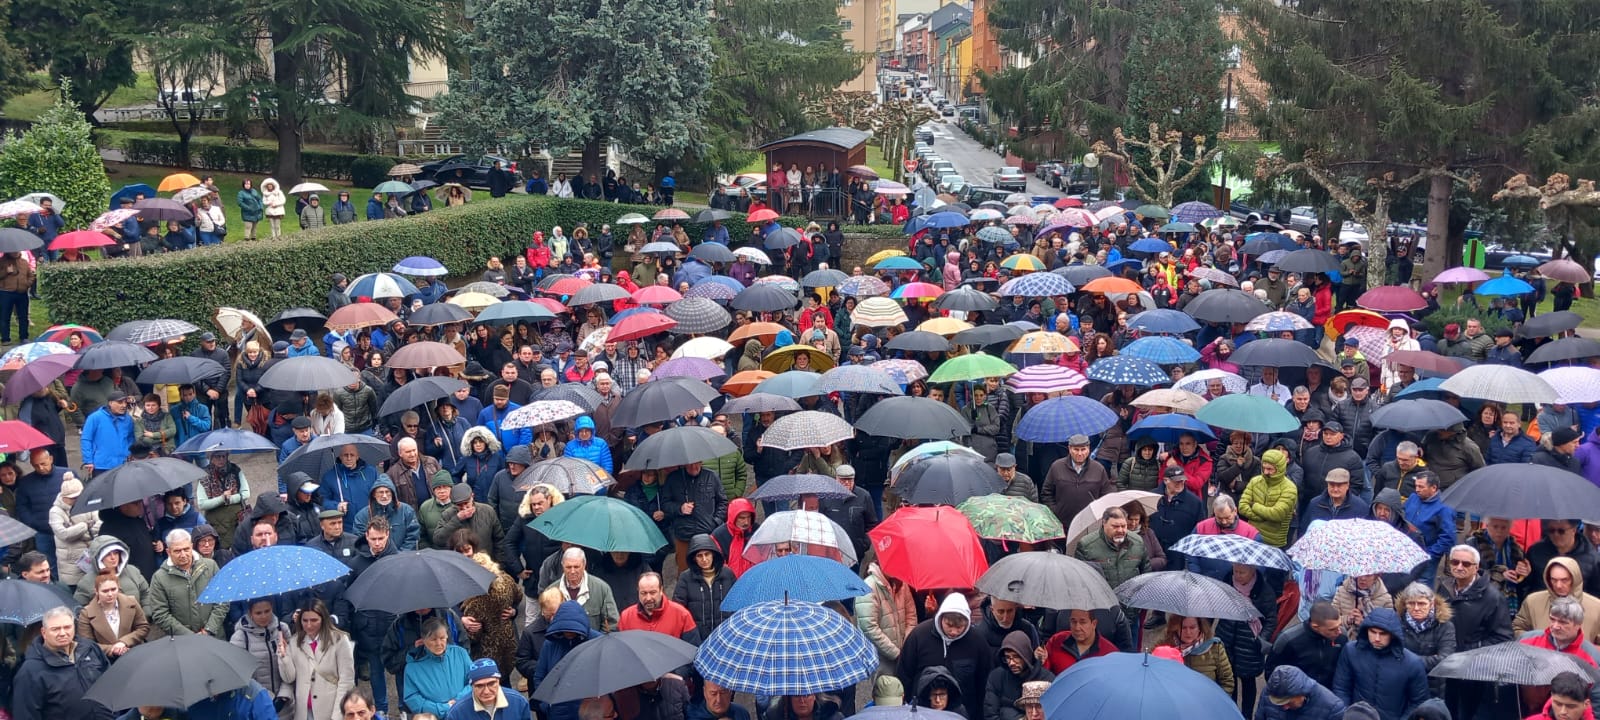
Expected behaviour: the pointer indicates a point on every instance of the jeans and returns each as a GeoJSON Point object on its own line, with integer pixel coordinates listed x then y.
{"type": "Point", "coordinates": [46, 544]}
{"type": "Point", "coordinates": [210, 238]}
{"type": "Point", "coordinates": [13, 303]}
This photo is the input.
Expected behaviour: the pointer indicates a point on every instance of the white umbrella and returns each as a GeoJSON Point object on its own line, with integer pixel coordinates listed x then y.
{"type": "Point", "coordinates": [1196, 382]}
{"type": "Point", "coordinates": [708, 348]}
{"type": "Point", "coordinates": [18, 208]}
{"type": "Point", "coordinates": [815, 533]}
{"type": "Point", "coordinates": [1574, 385]}
{"type": "Point", "coordinates": [191, 194]}
{"type": "Point", "coordinates": [39, 197]}
{"type": "Point", "coordinates": [1089, 518]}
{"type": "Point", "coordinates": [1500, 383]}
{"type": "Point", "coordinates": [232, 323]}
{"type": "Point", "coordinates": [307, 187]}
{"type": "Point", "coordinates": [596, 341]}
{"type": "Point", "coordinates": [753, 255]}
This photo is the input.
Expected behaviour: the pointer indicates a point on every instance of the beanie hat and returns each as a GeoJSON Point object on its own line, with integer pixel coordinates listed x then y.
{"type": "Point", "coordinates": [483, 669]}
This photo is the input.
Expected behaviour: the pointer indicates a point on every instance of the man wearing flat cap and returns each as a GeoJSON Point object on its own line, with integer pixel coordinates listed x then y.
{"type": "Point", "coordinates": [1074, 481]}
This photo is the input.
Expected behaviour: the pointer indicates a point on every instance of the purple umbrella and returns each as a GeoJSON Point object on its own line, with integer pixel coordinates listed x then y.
{"type": "Point", "coordinates": [689, 367]}
{"type": "Point", "coordinates": [36, 376]}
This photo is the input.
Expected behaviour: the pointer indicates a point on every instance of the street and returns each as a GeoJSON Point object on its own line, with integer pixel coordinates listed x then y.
{"type": "Point", "coordinates": [975, 163]}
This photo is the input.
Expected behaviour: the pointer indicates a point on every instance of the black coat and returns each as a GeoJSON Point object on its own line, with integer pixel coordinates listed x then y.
{"type": "Point", "coordinates": [1481, 615]}
{"type": "Point", "coordinates": [368, 626]}
{"type": "Point", "coordinates": [1318, 459]}
{"type": "Point", "coordinates": [856, 515]}
{"type": "Point", "coordinates": [967, 658]}
{"type": "Point", "coordinates": [1540, 555]}
{"type": "Point", "coordinates": [49, 686]}
{"type": "Point", "coordinates": [525, 549]}
{"type": "Point", "coordinates": [1004, 688]}
{"type": "Point", "coordinates": [1176, 517]}
{"type": "Point", "coordinates": [1315, 655]}
{"type": "Point", "coordinates": [704, 599]}
{"type": "Point", "coordinates": [705, 491]}
{"type": "Point", "coordinates": [1245, 651]}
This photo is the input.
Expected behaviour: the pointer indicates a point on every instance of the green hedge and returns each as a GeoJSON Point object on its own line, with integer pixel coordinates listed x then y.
{"type": "Point", "coordinates": [213, 154]}
{"type": "Point", "coordinates": [267, 276]}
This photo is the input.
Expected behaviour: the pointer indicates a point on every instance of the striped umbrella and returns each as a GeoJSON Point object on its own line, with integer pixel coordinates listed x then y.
{"type": "Point", "coordinates": [878, 312]}
{"type": "Point", "coordinates": [1047, 379]}
{"type": "Point", "coordinates": [1059, 418]}
{"type": "Point", "coordinates": [1126, 370]}
{"type": "Point", "coordinates": [1162, 350]}
{"type": "Point", "coordinates": [380, 285]}
{"type": "Point", "coordinates": [916, 291]}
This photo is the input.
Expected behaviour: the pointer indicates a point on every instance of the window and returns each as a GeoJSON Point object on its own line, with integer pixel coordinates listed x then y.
{"type": "Point", "coordinates": [1235, 56]}
{"type": "Point", "coordinates": [845, 25]}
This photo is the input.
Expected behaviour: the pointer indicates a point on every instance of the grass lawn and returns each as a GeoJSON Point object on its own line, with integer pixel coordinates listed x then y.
{"type": "Point", "coordinates": [29, 106]}
{"type": "Point", "coordinates": [875, 160]}
{"type": "Point", "coordinates": [113, 138]}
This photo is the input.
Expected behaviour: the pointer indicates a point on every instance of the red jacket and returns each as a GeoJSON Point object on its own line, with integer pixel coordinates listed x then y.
{"type": "Point", "coordinates": [672, 619]}
{"type": "Point", "coordinates": [805, 318]}
{"type": "Point", "coordinates": [538, 255]}
{"type": "Point", "coordinates": [1241, 528]}
{"type": "Point", "coordinates": [1578, 649]}
{"type": "Point", "coordinates": [1588, 713]}
{"type": "Point", "coordinates": [1060, 647]}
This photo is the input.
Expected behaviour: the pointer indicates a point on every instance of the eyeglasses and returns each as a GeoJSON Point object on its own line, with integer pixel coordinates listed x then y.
{"type": "Point", "coordinates": [1462, 563]}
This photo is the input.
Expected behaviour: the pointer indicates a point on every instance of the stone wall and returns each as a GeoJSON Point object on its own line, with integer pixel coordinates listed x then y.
{"type": "Point", "coordinates": [857, 248]}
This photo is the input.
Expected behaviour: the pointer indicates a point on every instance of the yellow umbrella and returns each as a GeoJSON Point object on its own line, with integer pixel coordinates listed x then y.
{"type": "Point", "coordinates": [944, 326]}
{"type": "Point", "coordinates": [782, 359]}
{"type": "Point", "coordinates": [177, 181]}
{"type": "Point", "coordinates": [235, 323]}
{"type": "Point", "coordinates": [1023, 262]}
{"type": "Point", "coordinates": [474, 300]}
{"type": "Point", "coordinates": [1044, 342]}
{"type": "Point", "coordinates": [882, 255]}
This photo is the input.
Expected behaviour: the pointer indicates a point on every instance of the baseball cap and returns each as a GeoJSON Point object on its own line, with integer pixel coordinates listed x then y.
{"type": "Point", "coordinates": [116, 395]}
{"type": "Point", "coordinates": [1333, 426]}
{"type": "Point", "coordinates": [309, 486]}
{"type": "Point", "coordinates": [1173, 472]}
{"type": "Point", "coordinates": [208, 337]}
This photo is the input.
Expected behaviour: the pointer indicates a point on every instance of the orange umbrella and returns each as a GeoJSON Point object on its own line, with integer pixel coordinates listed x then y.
{"type": "Point", "coordinates": [1366, 318]}
{"type": "Point", "coordinates": [1111, 285]}
{"type": "Point", "coordinates": [763, 331]}
{"type": "Point", "coordinates": [177, 181]}
{"type": "Point", "coordinates": [359, 315]}
{"type": "Point", "coordinates": [744, 383]}
{"type": "Point", "coordinates": [762, 215]}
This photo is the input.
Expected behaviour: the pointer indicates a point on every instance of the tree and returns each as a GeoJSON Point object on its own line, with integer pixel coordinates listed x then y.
{"type": "Point", "coordinates": [1162, 163]}
{"type": "Point", "coordinates": [572, 74]}
{"type": "Point", "coordinates": [78, 40]}
{"type": "Point", "coordinates": [1566, 206]}
{"type": "Point", "coordinates": [1075, 80]}
{"type": "Point", "coordinates": [14, 78]}
{"type": "Point", "coordinates": [186, 51]}
{"type": "Point", "coordinates": [58, 155]}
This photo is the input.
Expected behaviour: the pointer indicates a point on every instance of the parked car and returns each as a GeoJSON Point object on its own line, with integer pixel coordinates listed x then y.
{"type": "Point", "coordinates": [951, 183]}
{"type": "Point", "coordinates": [740, 190]}
{"type": "Point", "coordinates": [925, 134]}
{"type": "Point", "coordinates": [947, 111]}
{"type": "Point", "coordinates": [474, 172]}
{"type": "Point", "coordinates": [1078, 179]}
{"type": "Point", "coordinates": [977, 194]}
{"type": "Point", "coordinates": [1010, 177]}
{"type": "Point", "coordinates": [937, 168]}
{"type": "Point", "coordinates": [1044, 169]}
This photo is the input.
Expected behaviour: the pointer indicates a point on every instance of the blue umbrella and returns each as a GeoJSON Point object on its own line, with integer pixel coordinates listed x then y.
{"type": "Point", "coordinates": [511, 311]}
{"type": "Point", "coordinates": [1037, 285]}
{"type": "Point", "coordinates": [1194, 212]}
{"type": "Point", "coordinates": [23, 602]}
{"type": "Point", "coordinates": [794, 385]}
{"type": "Point", "coordinates": [1150, 245]}
{"type": "Point", "coordinates": [1503, 285]}
{"type": "Point", "coordinates": [794, 648]}
{"type": "Point", "coordinates": [1167, 427]}
{"type": "Point", "coordinates": [898, 262]}
{"type": "Point", "coordinates": [1161, 350]}
{"type": "Point", "coordinates": [915, 224]}
{"type": "Point", "coordinates": [859, 379]}
{"type": "Point", "coordinates": [691, 271]}
{"type": "Point", "coordinates": [1521, 261]}
{"type": "Point", "coordinates": [1258, 243]}
{"type": "Point", "coordinates": [1422, 388]}
{"type": "Point", "coordinates": [1271, 257]}
{"type": "Point", "coordinates": [381, 285]}
{"type": "Point", "coordinates": [129, 191]}
{"type": "Point", "coordinates": [803, 578]}
{"type": "Point", "coordinates": [784, 488]}
{"type": "Point", "coordinates": [1117, 265]}
{"type": "Point", "coordinates": [272, 571]}
{"type": "Point", "coordinates": [225, 440]}
{"type": "Point", "coordinates": [942, 220]}
{"type": "Point", "coordinates": [712, 289]}
{"type": "Point", "coordinates": [1125, 370]}
{"type": "Point", "coordinates": [1129, 686]}
{"type": "Point", "coordinates": [630, 312]}
{"type": "Point", "coordinates": [1059, 418]}
{"type": "Point", "coordinates": [420, 266]}
{"type": "Point", "coordinates": [1167, 322]}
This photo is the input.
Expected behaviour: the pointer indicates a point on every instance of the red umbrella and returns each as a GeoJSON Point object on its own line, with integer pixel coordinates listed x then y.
{"type": "Point", "coordinates": [930, 548]}
{"type": "Point", "coordinates": [1392, 299]}
{"type": "Point", "coordinates": [81, 240]}
{"type": "Point", "coordinates": [567, 286]}
{"type": "Point", "coordinates": [1424, 360]}
{"type": "Point", "coordinates": [643, 324]}
{"type": "Point", "coordinates": [1065, 203]}
{"type": "Point", "coordinates": [17, 436]}
{"type": "Point", "coordinates": [656, 295]}
{"type": "Point", "coordinates": [762, 215]}
{"type": "Point", "coordinates": [552, 304]}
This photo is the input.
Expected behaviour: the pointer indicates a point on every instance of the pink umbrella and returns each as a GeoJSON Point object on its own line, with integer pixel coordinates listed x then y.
{"type": "Point", "coordinates": [1077, 217]}
{"type": "Point", "coordinates": [1461, 275]}
{"type": "Point", "coordinates": [1047, 379]}
{"type": "Point", "coordinates": [656, 295]}
{"type": "Point", "coordinates": [634, 327]}
{"type": "Point", "coordinates": [1021, 220]}
{"type": "Point", "coordinates": [1392, 299]}
{"type": "Point", "coordinates": [1564, 270]}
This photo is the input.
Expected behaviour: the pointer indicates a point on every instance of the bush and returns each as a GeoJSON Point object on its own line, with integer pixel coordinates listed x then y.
{"type": "Point", "coordinates": [369, 170]}
{"type": "Point", "coordinates": [267, 276]}
{"type": "Point", "coordinates": [214, 154]}
{"type": "Point", "coordinates": [57, 155]}
{"type": "Point", "coordinates": [1491, 322]}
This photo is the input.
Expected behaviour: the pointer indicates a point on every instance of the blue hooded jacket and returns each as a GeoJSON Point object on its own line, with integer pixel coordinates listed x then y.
{"type": "Point", "coordinates": [342, 484]}
{"type": "Point", "coordinates": [594, 449]}
{"type": "Point", "coordinates": [1435, 521]}
{"type": "Point", "coordinates": [570, 617]}
{"type": "Point", "coordinates": [1290, 681]}
{"type": "Point", "coordinates": [106, 438]}
{"type": "Point", "coordinates": [402, 518]}
{"type": "Point", "coordinates": [491, 418]}
{"type": "Point", "coordinates": [1393, 679]}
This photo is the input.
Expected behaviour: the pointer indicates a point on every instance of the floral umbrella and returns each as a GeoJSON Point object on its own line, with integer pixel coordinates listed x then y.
{"type": "Point", "coordinates": [1003, 517]}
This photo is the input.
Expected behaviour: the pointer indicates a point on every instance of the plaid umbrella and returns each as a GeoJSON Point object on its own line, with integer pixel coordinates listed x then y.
{"type": "Point", "coordinates": [1004, 517]}
{"type": "Point", "coordinates": [1574, 385]}
{"type": "Point", "coordinates": [12, 531]}
{"type": "Point", "coordinates": [806, 429]}
{"type": "Point", "coordinates": [1234, 549]}
{"type": "Point", "coordinates": [1126, 370]}
{"type": "Point", "coordinates": [1036, 285]}
{"type": "Point", "coordinates": [1357, 547]}
{"type": "Point", "coordinates": [572, 476]}
{"type": "Point", "coordinates": [147, 332]}
{"type": "Point", "coordinates": [860, 379]}
{"type": "Point", "coordinates": [863, 286]}
{"type": "Point", "coordinates": [813, 532]}
{"type": "Point", "coordinates": [1500, 383]}
{"type": "Point", "coordinates": [1511, 662]}
{"type": "Point", "coordinates": [711, 289]}
{"type": "Point", "coordinates": [793, 487]}
{"type": "Point", "coordinates": [1185, 593]}
{"type": "Point", "coordinates": [794, 578]}
{"type": "Point", "coordinates": [1194, 211]}
{"type": "Point", "coordinates": [1279, 321]}
{"type": "Point", "coordinates": [1162, 350]}
{"type": "Point", "coordinates": [1059, 418]}
{"type": "Point", "coordinates": [995, 235]}
{"type": "Point", "coordinates": [786, 648]}
{"type": "Point", "coordinates": [1047, 379]}
{"type": "Point", "coordinates": [689, 367]}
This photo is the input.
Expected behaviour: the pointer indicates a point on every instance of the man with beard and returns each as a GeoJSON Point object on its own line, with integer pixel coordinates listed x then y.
{"type": "Point", "coordinates": [658, 613]}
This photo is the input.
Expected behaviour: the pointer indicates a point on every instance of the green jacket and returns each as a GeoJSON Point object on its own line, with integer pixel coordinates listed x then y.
{"type": "Point", "coordinates": [1118, 565]}
{"type": "Point", "coordinates": [430, 515]}
{"type": "Point", "coordinates": [734, 472]}
{"type": "Point", "coordinates": [174, 600]}
{"type": "Point", "coordinates": [1353, 271]}
{"type": "Point", "coordinates": [1269, 503]}
{"type": "Point", "coordinates": [1138, 475]}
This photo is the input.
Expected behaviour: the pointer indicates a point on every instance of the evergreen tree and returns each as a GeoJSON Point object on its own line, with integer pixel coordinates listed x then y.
{"type": "Point", "coordinates": [1076, 78]}
{"type": "Point", "coordinates": [79, 40]}
{"type": "Point", "coordinates": [58, 155]}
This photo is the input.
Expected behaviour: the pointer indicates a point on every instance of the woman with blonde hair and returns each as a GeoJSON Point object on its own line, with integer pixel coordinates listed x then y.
{"type": "Point", "coordinates": [1201, 650]}
{"type": "Point", "coordinates": [321, 663]}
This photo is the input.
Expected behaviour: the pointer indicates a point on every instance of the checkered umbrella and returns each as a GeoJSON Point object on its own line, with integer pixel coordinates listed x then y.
{"type": "Point", "coordinates": [859, 379]}
{"type": "Point", "coordinates": [1186, 593]}
{"type": "Point", "coordinates": [1196, 382]}
{"type": "Point", "coordinates": [12, 531]}
{"type": "Point", "coordinates": [1059, 418]}
{"type": "Point", "coordinates": [1128, 370]}
{"type": "Point", "coordinates": [806, 429]}
{"type": "Point", "coordinates": [1234, 549]}
{"type": "Point", "coordinates": [786, 648]}
{"type": "Point", "coordinates": [541, 412]}
{"type": "Point", "coordinates": [1047, 379]}
{"type": "Point", "coordinates": [1162, 350]}
{"type": "Point", "coordinates": [793, 487]}
{"type": "Point", "coordinates": [1356, 547]}
{"type": "Point", "coordinates": [811, 533]}
{"type": "Point", "coordinates": [710, 289]}
{"type": "Point", "coordinates": [146, 332]}
{"type": "Point", "coordinates": [698, 315]}
{"type": "Point", "coordinates": [1037, 285]}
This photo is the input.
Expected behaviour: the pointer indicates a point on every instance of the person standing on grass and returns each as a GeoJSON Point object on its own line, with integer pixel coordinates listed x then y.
{"type": "Point", "coordinates": [344, 212]}
{"type": "Point", "coordinates": [16, 278]}
{"type": "Point", "coordinates": [313, 215]}
{"type": "Point", "coordinates": [273, 200]}
{"type": "Point", "coordinates": [251, 208]}
{"type": "Point", "coordinates": [209, 221]}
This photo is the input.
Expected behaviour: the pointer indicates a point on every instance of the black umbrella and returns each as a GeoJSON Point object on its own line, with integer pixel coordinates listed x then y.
{"type": "Point", "coordinates": [12, 531]}
{"type": "Point", "coordinates": [826, 277]}
{"type": "Point", "coordinates": [23, 602]}
{"type": "Point", "coordinates": [183, 370]}
{"type": "Point", "coordinates": [966, 299]}
{"type": "Point", "coordinates": [1275, 352]}
{"type": "Point", "coordinates": [764, 297]}
{"type": "Point", "coordinates": [987, 335]}
{"type": "Point", "coordinates": [1225, 305]}
{"type": "Point", "coordinates": [1048, 580]}
{"type": "Point", "coordinates": [947, 479]}
{"type": "Point", "coordinates": [1550, 324]}
{"type": "Point", "coordinates": [661, 400]}
{"type": "Point", "coordinates": [919, 341]}
{"type": "Point", "coordinates": [1186, 593]}
{"type": "Point", "coordinates": [175, 671]}
{"type": "Point", "coordinates": [439, 314]}
{"type": "Point", "coordinates": [136, 480]}
{"type": "Point", "coordinates": [613, 662]}
{"type": "Point", "coordinates": [322, 453]}
{"type": "Point", "coordinates": [678, 446]}
{"type": "Point", "coordinates": [418, 579]}
{"type": "Point", "coordinates": [782, 239]}
{"type": "Point", "coordinates": [577, 394]}
{"type": "Point", "coordinates": [1416, 415]}
{"type": "Point", "coordinates": [1511, 662]}
{"type": "Point", "coordinates": [712, 215]}
{"type": "Point", "coordinates": [18, 240]}
{"type": "Point", "coordinates": [307, 373]}
{"type": "Point", "coordinates": [697, 315]}
{"type": "Point", "coordinates": [710, 252]}
{"type": "Point", "coordinates": [1563, 350]}
{"type": "Point", "coordinates": [304, 318]}
{"type": "Point", "coordinates": [162, 209]}
{"type": "Point", "coordinates": [598, 293]}
{"type": "Point", "coordinates": [757, 402]}
{"type": "Point", "coordinates": [1523, 490]}
{"type": "Point", "coordinates": [1080, 275]}
{"type": "Point", "coordinates": [913, 418]}
{"type": "Point", "coordinates": [1309, 261]}
{"type": "Point", "coordinates": [419, 392]}
{"type": "Point", "coordinates": [147, 332]}
{"type": "Point", "coordinates": [114, 354]}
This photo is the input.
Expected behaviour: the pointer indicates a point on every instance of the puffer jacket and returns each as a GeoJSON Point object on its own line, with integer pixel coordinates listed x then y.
{"type": "Point", "coordinates": [1137, 473]}
{"type": "Point", "coordinates": [1269, 500]}
{"type": "Point", "coordinates": [594, 449]}
{"type": "Point", "coordinates": [569, 618]}
{"type": "Point", "coordinates": [73, 533]}
{"type": "Point", "coordinates": [350, 485]}
{"type": "Point", "coordinates": [704, 597]}
{"type": "Point", "coordinates": [885, 616]}
{"type": "Point", "coordinates": [1318, 459]}
{"type": "Point", "coordinates": [1004, 688]}
{"type": "Point", "coordinates": [175, 605]}
{"type": "Point", "coordinates": [1357, 420]}
{"type": "Point", "coordinates": [733, 470]}
{"type": "Point", "coordinates": [1244, 646]}
{"type": "Point", "coordinates": [1210, 658]}
{"type": "Point", "coordinates": [129, 580]}
{"type": "Point", "coordinates": [1288, 680]}
{"type": "Point", "coordinates": [50, 686]}
{"type": "Point", "coordinates": [1393, 680]}
{"type": "Point", "coordinates": [404, 530]}
{"type": "Point", "coordinates": [1451, 458]}
{"type": "Point", "coordinates": [360, 407]}
{"type": "Point", "coordinates": [1118, 565]}
{"type": "Point", "coordinates": [433, 681]}
{"type": "Point", "coordinates": [262, 644]}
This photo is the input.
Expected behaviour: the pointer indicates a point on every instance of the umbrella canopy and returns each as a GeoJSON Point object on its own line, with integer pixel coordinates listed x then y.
{"type": "Point", "coordinates": [19, 208]}
{"type": "Point", "coordinates": [919, 341]}
{"type": "Point", "coordinates": [904, 372]}
{"type": "Point", "coordinates": [12, 531]}
{"type": "Point", "coordinates": [1048, 580]}
{"type": "Point", "coordinates": [913, 418]}
{"type": "Point", "coordinates": [863, 286]}
{"type": "Point", "coordinates": [17, 357]}
{"type": "Point", "coordinates": [1461, 275]}
{"type": "Point", "coordinates": [416, 579]}
{"type": "Point", "coordinates": [1046, 379]}
{"type": "Point", "coordinates": [806, 532]}
{"type": "Point", "coordinates": [424, 355]}
{"type": "Point", "coordinates": [826, 277]}
{"type": "Point", "coordinates": [35, 376]}
{"type": "Point", "coordinates": [136, 480]}
{"type": "Point", "coordinates": [689, 367]}
{"type": "Point", "coordinates": [1392, 299]}
{"type": "Point", "coordinates": [1166, 322]}
{"type": "Point", "coordinates": [598, 293]}
{"type": "Point", "coordinates": [1009, 518]}
{"type": "Point", "coordinates": [1574, 385]}
{"type": "Point", "coordinates": [1276, 352]}
{"type": "Point", "coordinates": [764, 297]}
{"type": "Point", "coordinates": [786, 648]}
{"type": "Point", "coordinates": [1500, 383]}
{"type": "Point", "coordinates": [859, 379]}
{"type": "Point", "coordinates": [612, 662]}
{"type": "Point", "coordinates": [1249, 413]}
{"type": "Point", "coordinates": [784, 488]}
{"type": "Point", "coordinates": [1197, 382]}
{"type": "Point", "coordinates": [1080, 275]}
{"type": "Point", "coordinates": [1089, 518]}
{"type": "Point", "coordinates": [1129, 686]}
{"type": "Point", "coordinates": [439, 314]}
{"type": "Point", "coordinates": [1233, 549]}
{"type": "Point", "coordinates": [1565, 349]}
{"type": "Point", "coordinates": [114, 354]}
{"type": "Point", "coordinates": [678, 446]}
{"type": "Point", "coordinates": [791, 578]}
{"type": "Point", "coordinates": [150, 332]}
{"type": "Point", "coordinates": [929, 547]}
{"type": "Point", "coordinates": [1186, 593]}
{"type": "Point", "coordinates": [783, 359]}
{"type": "Point", "coordinates": [711, 252]}
{"type": "Point", "coordinates": [1214, 276]}
{"type": "Point", "coordinates": [1162, 350]}
{"type": "Point", "coordinates": [1309, 261]}
{"type": "Point", "coordinates": [541, 412]}
{"type": "Point", "coordinates": [744, 383]}
{"type": "Point", "coordinates": [878, 312]}
{"type": "Point", "coordinates": [640, 325]}
{"type": "Point", "coordinates": [1128, 370]}
{"type": "Point", "coordinates": [511, 312]}
{"type": "Point", "coordinates": [572, 476]}
{"type": "Point", "coordinates": [806, 429]}
{"type": "Point", "coordinates": [965, 299]}
{"type": "Point", "coordinates": [1518, 490]}
{"type": "Point", "coordinates": [696, 315]}
{"type": "Point", "coordinates": [419, 392]}
{"type": "Point", "coordinates": [1169, 428]}
{"type": "Point", "coordinates": [226, 440]}
{"type": "Point", "coordinates": [319, 456]}
{"type": "Point", "coordinates": [1194, 211]}
{"type": "Point", "coordinates": [1174, 399]}
{"type": "Point", "coordinates": [1225, 305]}
{"type": "Point", "coordinates": [311, 373]}
{"type": "Point", "coordinates": [17, 436]}
{"type": "Point", "coordinates": [420, 266]}
{"type": "Point", "coordinates": [1357, 547]}
{"type": "Point", "coordinates": [1059, 418]}
{"type": "Point", "coordinates": [1276, 322]}
{"type": "Point", "coordinates": [1423, 360]}
{"type": "Point", "coordinates": [759, 403]}
{"type": "Point", "coordinates": [23, 602]}
{"type": "Point", "coordinates": [917, 291]}
{"type": "Point", "coordinates": [174, 671]}
{"type": "Point", "coordinates": [1550, 324]}
{"type": "Point", "coordinates": [1503, 285]}
{"type": "Point", "coordinates": [380, 286]}
{"type": "Point", "coordinates": [359, 315]}
{"type": "Point", "coordinates": [600, 523]}
{"type": "Point", "coordinates": [181, 370]}
{"type": "Point", "coordinates": [947, 479]}
{"type": "Point", "coordinates": [1512, 662]}
{"type": "Point", "coordinates": [793, 385]}
{"type": "Point", "coordinates": [1565, 270]}
{"type": "Point", "coordinates": [1036, 285]}
{"type": "Point", "coordinates": [987, 335]}
{"type": "Point", "coordinates": [271, 571]}
{"type": "Point", "coordinates": [973, 366]}
{"type": "Point", "coordinates": [660, 401]}
{"type": "Point", "coordinates": [1419, 415]}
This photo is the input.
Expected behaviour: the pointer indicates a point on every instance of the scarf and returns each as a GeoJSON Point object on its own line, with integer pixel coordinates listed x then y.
{"type": "Point", "coordinates": [218, 479]}
{"type": "Point", "coordinates": [1244, 590]}
{"type": "Point", "coordinates": [1423, 625]}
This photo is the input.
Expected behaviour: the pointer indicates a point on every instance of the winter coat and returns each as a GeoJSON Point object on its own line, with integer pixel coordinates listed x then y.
{"type": "Point", "coordinates": [1321, 508]}
{"type": "Point", "coordinates": [1451, 458]}
{"type": "Point", "coordinates": [1433, 643]}
{"type": "Point", "coordinates": [569, 618]}
{"type": "Point", "coordinates": [1435, 522]}
{"type": "Point", "coordinates": [320, 678]}
{"type": "Point", "coordinates": [1551, 458]}
{"type": "Point", "coordinates": [1480, 614]}
{"type": "Point", "coordinates": [250, 205]}
{"type": "Point", "coordinates": [731, 540]}
{"type": "Point", "coordinates": [1004, 688]}
{"type": "Point", "coordinates": [1348, 597]}
{"type": "Point", "coordinates": [105, 440]}
{"type": "Point", "coordinates": [404, 530]}
{"type": "Point", "coordinates": [1117, 564]}
{"type": "Point", "coordinates": [129, 580]}
{"type": "Point", "coordinates": [360, 407]}
{"type": "Point", "coordinates": [1588, 454]}
{"type": "Point", "coordinates": [704, 597]}
{"type": "Point", "coordinates": [1356, 418]}
{"type": "Point", "coordinates": [886, 616]}
{"type": "Point", "coordinates": [350, 485]}
{"type": "Point", "coordinates": [1137, 473]}
{"type": "Point", "coordinates": [175, 607]}
{"type": "Point", "coordinates": [1534, 614]}
{"type": "Point", "coordinates": [432, 681]}
{"type": "Point", "coordinates": [1308, 652]}
{"type": "Point", "coordinates": [272, 198]}
{"type": "Point", "coordinates": [1067, 490]}
{"type": "Point", "coordinates": [49, 686]}
{"type": "Point", "coordinates": [1321, 703]}
{"type": "Point", "coordinates": [1317, 460]}
{"type": "Point", "coordinates": [73, 533]}
{"type": "Point", "coordinates": [1269, 500]}
{"type": "Point", "coordinates": [1210, 658]}
{"type": "Point", "coordinates": [484, 524]}
{"type": "Point", "coordinates": [733, 471]}
{"type": "Point", "coordinates": [1393, 680]}
{"type": "Point", "coordinates": [1230, 476]}
{"type": "Point", "coordinates": [262, 644]}
{"type": "Point", "coordinates": [1246, 649]}
{"type": "Point", "coordinates": [1176, 517]}
{"type": "Point", "coordinates": [600, 604]}
{"type": "Point", "coordinates": [132, 625]}
{"type": "Point", "coordinates": [705, 491]}
{"type": "Point", "coordinates": [1518, 450]}
{"type": "Point", "coordinates": [1582, 551]}
{"type": "Point", "coordinates": [967, 658]}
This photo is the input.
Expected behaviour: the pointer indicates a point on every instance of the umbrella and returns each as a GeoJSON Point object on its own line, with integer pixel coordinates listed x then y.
{"type": "Point", "coordinates": [659, 248]}
{"type": "Point", "coordinates": [711, 252]}
{"type": "Point", "coordinates": [1503, 285]}
{"type": "Point", "coordinates": [134, 481]}
{"type": "Point", "coordinates": [112, 219]}
{"type": "Point", "coordinates": [1013, 519]}
{"type": "Point", "coordinates": [764, 298]}
{"type": "Point", "coordinates": [1185, 593]}
{"type": "Point", "coordinates": [917, 291]}
{"type": "Point", "coordinates": [612, 662]}
{"type": "Point", "coordinates": [792, 578]}
{"type": "Point", "coordinates": [1249, 413]}
{"type": "Point", "coordinates": [1519, 490]}
{"type": "Point", "coordinates": [910, 418]}
{"type": "Point", "coordinates": [311, 187]}
{"type": "Point", "coordinates": [419, 392]}
{"type": "Point", "coordinates": [420, 266]}
{"type": "Point", "coordinates": [473, 301]}
{"type": "Point", "coordinates": [745, 382]}
{"type": "Point", "coordinates": [600, 523]}
{"type": "Point", "coordinates": [786, 648]}
{"type": "Point", "coordinates": [928, 450]}
{"type": "Point", "coordinates": [1023, 262]}
{"type": "Point", "coordinates": [784, 488]}
{"type": "Point", "coordinates": [826, 277]}
{"type": "Point", "coordinates": [162, 209]}
{"type": "Point", "coordinates": [598, 293]}
{"type": "Point", "coordinates": [918, 341]}
{"type": "Point", "coordinates": [302, 317]}
{"type": "Point", "coordinates": [1309, 261]}
{"type": "Point", "coordinates": [1162, 350]}
{"type": "Point", "coordinates": [756, 402]}
{"type": "Point", "coordinates": [1168, 322]}
{"type": "Point", "coordinates": [311, 373]}
{"type": "Point", "coordinates": [18, 208]}
{"type": "Point", "coordinates": [183, 370]}
{"type": "Point", "coordinates": [1130, 686]}
{"type": "Point", "coordinates": [974, 366]}
{"type": "Point", "coordinates": [689, 367]}
{"type": "Point", "coordinates": [696, 315]}
{"type": "Point", "coordinates": [904, 372]}
{"type": "Point", "coordinates": [1461, 275]}
{"type": "Point", "coordinates": [859, 379]}
{"type": "Point", "coordinates": [786, 283]}
{"type": "Point", "coordinates": [438, 314]}
{"type": "Point", "coordinates": [782, 239]}
{"type": "Point", "coordinates": [1174, 399]}
{"type": "Point", "coordinates": [947, 479]}
{"type": "Point", "coordinates": [1565, 349]}
{"type": "Point", "coordinates": [1194, 211]}
{"type": "Point", "coordinates": [661, 401]}
{"type": "Point", "coordinates": [130, 192]}
{"type": "Point", "coordinates": [319, 456]}
{"type": "Point", "coordinates": [806, 429]}
{"type": "Point", "coordinates": [712, 215]}
{"type": "Point", "coordinates": [150, 332]}
{"type": "Point", "coordinates": [995, 235]}
{"type": "Point", "coordinates": [808, 533]}
{"type": "Point", "coordinates": [1564, 270]}
{"type": "Point", "coordinates": [541, 412]}
{"type": "Point", "coordinates": [1059, 418]}
{"type": "Point", "coordinates": [395, 187]}
{"type": "Point", "coordinates": [560, 284]}
{"type": "Point", "coordinates": [793, 385]}
{"type": "Point", "coordinates": [18, 357]}
{"type": "Point", "coordinates": [632, 219]}
{"type": "Point", "coordinates": [863, 286]}
{"type": "Point", "coordinates": [1357, 547]}
{"type": "Point", "coordinates": [909, 539]}
{"type": "Point", "coordinates": [1046, 379]}
{"type": "Point", "coordinates": [1080, 275]}
{"type": "Point", "coordinates": [81, 240]}
{"type": "Point", "coordinates": [35, 376]}
{"type": "Point", "coordinates": [1512, 662]}
{"type": "Point", "coordinates": [1196, 382]}
{"type": "Point", "coordinates": [1048, 580]}
{"type": "Point", "coordinates": [177, 181]}
{"type": "Point", "coordinates": [1150, 245]}
{"type": "Point", "coordinates": [1176, 227]}
{"type": "Point", "coordinates": [379, 286]}
{"type": "Point", "coordinates": [965, 299]}
{"type": "Point", "coordinates": [640, 325]}
{"type": "Point", "coordinates": [1089, 518]}
{"type": "Point", "coordinates": [1425, 387]}
{"type": "Point", "coordinates": [419, 579]}
{"type": "Point", "coordinates": [1127, 370]}
{"type": "Point", "coordinates": [1423, 360]}
{"type": "Point", "coordinates": [783, 358]}
{"type": "Point", "coordinates": [1276, 352]}
{"type": "Point", "coordinates": [23, 602]}
{"type": "Point", "coordinates": [174, 671]}
{"type": "Point", "coordinates": [1168, 428]}
{"type": "Point", "coordinates": [1574, 385]}
{"type": "Point", "coordinates": [17, 436]}
{"type": "Point", "coordinates": [572, 476]}
{"type": "Point", "coordinates": [1550, 324]}
{"type": "Point", "coordinates": [403, 170]}
{"type": "Point", "coordinates": [670, 214]}
{"type": "Point", "coordinates": [272, 571]}
{"type": "Point", "coordinates": [226, 440]}
{"type": "Point", "coordinates": [510, 312]}
{"type": "Point", "coordinates": [1392, 299]}
{"type": "Point", "coordinates": [1233, 549]}
{"type": "Point", "coordinates": [1214, 276]}
{"type": "Point", "coordinates": [1036, 285]}
{"type": "Point", "coordinates": [1418, 415]}
{"type": "Point", "coordinates": [114, 354]}
{"type": "Point", "coordinates": [1225, 305]}
{"type": "Point", "coordinates": [1278, 321]}
{"type": "Point", "coordinates": [13, 531]}
{"type": "Point", "coordinates": [678, 446]}
{"type": "Point", "coordinates": [897, 263]}
{"type": "Point", "coordinates": [988, 334]}
{"type": "Point", "coordinates": [753, 255]}
{"type": "Point", "coordinates": [1500, 383]}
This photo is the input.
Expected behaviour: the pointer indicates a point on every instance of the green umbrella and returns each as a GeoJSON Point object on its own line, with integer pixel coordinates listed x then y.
{"type": "Point", "coordinates": [1249, 413]}
{"type": "Point", "coordinates": [1176, 227]}
{"type": "Point", "coordinates": [392, 187]}
{"type": "Point", "coordinates": [971, 367]}
{"type": "Point", "coordinates": [1152, 211]}
{"type": "Point", "coordinates": [600, 523]}
{"type": "Point", "coordinates": [1017, 519]}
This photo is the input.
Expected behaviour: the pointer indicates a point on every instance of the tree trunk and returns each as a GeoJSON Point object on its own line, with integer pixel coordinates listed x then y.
{"type": "Point", "coordinates": [592, 159]}
{"type": "Point", "coordinates": [1438, 257]}
{"type": "Point", "coordinates": [285, 76]}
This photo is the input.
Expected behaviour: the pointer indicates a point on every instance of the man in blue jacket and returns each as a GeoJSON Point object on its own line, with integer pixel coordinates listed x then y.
{"type": "Point", "coordinates": [492, 416]}
{"type": "Point", "coordinates": [1293, 695]}
{"type": "Point", "coordinates": [350, 480]}
{"type": "Point", "coordinates": [1432, 520]}
{"type": "Point", "coordinates": [588, 447]}
{"type": "Point", "coordinates": [46, 223]}
{"type": "Point", "coordinates": [107, 435]}
{"type": "Point", "coordinates": [1378, 669]}
{"type": "Point", "coordinates": [490, 701]}
{"type": "Point", "coordinates": [568, 629]}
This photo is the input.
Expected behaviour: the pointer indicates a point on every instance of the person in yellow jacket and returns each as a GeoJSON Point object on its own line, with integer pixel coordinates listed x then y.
{"type": "Point", "coordinates": [1269, 499]}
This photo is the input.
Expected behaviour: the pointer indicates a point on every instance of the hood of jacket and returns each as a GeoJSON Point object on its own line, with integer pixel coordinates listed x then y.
{"type": "Point", "coordinates": [584, 423]}
{"type": "Point", "coordinates": [479, 432]}
{"type": "Point", "coordinates": [1017, 641]}
{"type": "Point", "coordinates": [202, 531]}
{"type": "Point", "coordinates": [570, 618]}
{"type": "Point", "coordinates": [1362, 711]}
{"type": "Point", "coordinates": [1391, 498]}
{"type": "Point", "coordinates": [737, 506]}
{"type": "Point", "coordinates": [268, 504]}
{"type": "Point", "coordinates": [1141, 444]}
{"type": "Point", "coordinates": [1387, 620]}
{"type": "Point", "coordinates": [104, 545]}
{"type": "Point", "coordinates": [953, 604]}
{"type": "Point", "coordinates": [704, 542]}
{"type": "Point", "coordinates": [1572, 568]}
{"type": "Point", "coordinates": [933, 677]}
{"type": "Point", "coordinates": [1289, 681]}
{"type": "Point", "coordinates": [1273, 463]}
{"type": "Point", "coordinates": [383, 481]}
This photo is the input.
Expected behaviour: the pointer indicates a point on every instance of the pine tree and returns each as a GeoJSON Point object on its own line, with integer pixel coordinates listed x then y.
{"type": "Point", "coordinates": [57, 155]}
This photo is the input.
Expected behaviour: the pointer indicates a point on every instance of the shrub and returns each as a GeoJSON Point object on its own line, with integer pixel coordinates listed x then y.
{"type": "Point", "coordinates": [1435, 322]}
{"type": "Point", "coordinates": [369, 170]}
{"type": "Point", "coordinates": [214, 154]}
{"type": "Point", "coordinates": [57, 155]}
